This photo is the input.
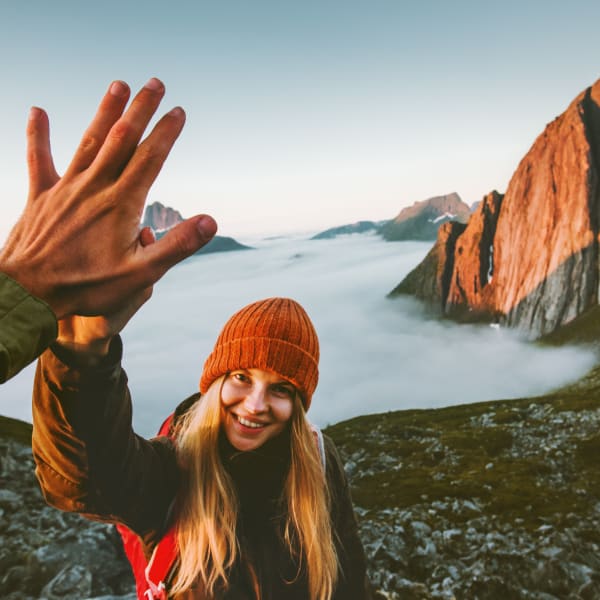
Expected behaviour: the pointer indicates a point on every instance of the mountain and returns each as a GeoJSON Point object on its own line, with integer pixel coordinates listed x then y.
{"type": "Point", "coordinates": [527, 259]}
{"type": "Point", "coordinates": [162, 218]}
{"type": "Point", "coordinates": [422, 220]}
{"type": "Point", "coordinates": [358, 227]}
{"type": "Point", "coordinates": [222, 243]}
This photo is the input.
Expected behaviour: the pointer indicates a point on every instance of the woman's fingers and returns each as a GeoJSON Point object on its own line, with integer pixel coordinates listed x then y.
{"type": "Point", "coordinates": [110, 110]}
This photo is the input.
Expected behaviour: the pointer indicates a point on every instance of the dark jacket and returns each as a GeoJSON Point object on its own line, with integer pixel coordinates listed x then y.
{"type": "Point", "coordinates": [27, 327]}
{"type": "Point", "coordinates": [88, 460]}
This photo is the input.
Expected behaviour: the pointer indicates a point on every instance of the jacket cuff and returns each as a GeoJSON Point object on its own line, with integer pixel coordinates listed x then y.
{"type": "Point", "coordinates": [27, 327]}
{"type": "Point", "coordinates": [71, 371]}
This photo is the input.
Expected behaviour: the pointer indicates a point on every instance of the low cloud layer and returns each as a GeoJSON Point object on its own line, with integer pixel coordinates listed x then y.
{"type": "Point", "coordinates": [376, 354]}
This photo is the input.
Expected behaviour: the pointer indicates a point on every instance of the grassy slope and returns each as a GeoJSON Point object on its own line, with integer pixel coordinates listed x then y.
{"type": "Point", "coordinates": [442, 454]}
{"type": "Point", "coordinates": [15, 430]}
{"type": "Point", "coordinates": [424, 474]}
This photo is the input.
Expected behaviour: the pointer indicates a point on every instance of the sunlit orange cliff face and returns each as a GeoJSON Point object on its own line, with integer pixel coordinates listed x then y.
{"type": "Point", "coordinates": [528, 259]}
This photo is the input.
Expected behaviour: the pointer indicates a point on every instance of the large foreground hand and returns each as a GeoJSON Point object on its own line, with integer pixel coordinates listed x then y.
{"type": "Point", "coordinates": [77, 244]}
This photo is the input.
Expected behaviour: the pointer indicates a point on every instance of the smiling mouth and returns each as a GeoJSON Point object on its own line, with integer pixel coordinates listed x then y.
{"type": "Point", "coordinates": [250, 424]}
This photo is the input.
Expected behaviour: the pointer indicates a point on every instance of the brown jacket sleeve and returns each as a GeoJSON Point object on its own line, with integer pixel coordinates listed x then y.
{"type": "Point", "coordinates": [88, 459]}
{"type": "Point", "coordinates": [354, 583]}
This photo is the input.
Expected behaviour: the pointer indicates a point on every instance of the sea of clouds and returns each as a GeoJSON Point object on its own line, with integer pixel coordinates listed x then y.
{"type": "Point", "coordinates": [377, 354]}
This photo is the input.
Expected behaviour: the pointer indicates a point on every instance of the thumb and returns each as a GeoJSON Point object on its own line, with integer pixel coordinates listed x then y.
{"type": "Point", "coordinates": [179, 242]}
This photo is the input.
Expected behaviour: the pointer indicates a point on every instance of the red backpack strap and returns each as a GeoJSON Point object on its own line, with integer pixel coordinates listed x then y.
{"type": "Point", "coordinates": [159, 566]}
{"type": "Point", "coordinates": [137, 560]}
{"type": "Point", "coordinates": [166, 426]}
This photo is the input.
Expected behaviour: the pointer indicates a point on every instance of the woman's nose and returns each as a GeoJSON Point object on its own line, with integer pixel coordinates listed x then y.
{"type": "Point", "coordinates": [256, 401]}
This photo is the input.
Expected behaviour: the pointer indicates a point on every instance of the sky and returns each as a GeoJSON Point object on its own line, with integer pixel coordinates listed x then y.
{"type": "Point", "coordinates": [303, 115]}
{"type": "Point", "coordinates": [377, 354]}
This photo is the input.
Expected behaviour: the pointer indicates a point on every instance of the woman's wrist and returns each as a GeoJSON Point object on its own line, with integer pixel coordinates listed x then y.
{"type": "Point", "coordinates": [89, 353]}
{"type": "Point", "coordinates": [97, 347]}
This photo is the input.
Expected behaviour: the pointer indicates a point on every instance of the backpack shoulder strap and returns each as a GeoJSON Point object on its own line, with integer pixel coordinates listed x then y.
{"type": "Point", "coordinates": [159, 566]}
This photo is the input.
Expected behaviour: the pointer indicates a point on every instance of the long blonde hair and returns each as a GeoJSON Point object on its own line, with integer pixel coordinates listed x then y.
{"type": "Point", "coordinates": [208, 507]}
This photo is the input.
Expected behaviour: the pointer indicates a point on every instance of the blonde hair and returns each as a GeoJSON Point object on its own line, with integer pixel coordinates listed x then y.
{"type": "Point", "coordinates": [208, 508]}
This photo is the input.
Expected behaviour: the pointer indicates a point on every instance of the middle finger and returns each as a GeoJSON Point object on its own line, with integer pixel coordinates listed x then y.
{"type": "Point", "coordinates": [124, 136]}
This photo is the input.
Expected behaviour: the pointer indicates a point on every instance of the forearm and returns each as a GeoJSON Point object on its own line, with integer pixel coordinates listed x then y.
{"type": "Point", "coordinates": [88, 459]}
{"type": "Point", "coordinates": [27, 327]}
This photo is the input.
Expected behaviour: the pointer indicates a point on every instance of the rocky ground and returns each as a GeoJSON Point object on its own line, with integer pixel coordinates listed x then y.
{"type": "Point", "coordinates": [492, 500]}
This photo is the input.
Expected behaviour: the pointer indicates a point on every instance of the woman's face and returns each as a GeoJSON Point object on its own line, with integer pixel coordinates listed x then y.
{"type": "Point", "coordinates": [256, 406]}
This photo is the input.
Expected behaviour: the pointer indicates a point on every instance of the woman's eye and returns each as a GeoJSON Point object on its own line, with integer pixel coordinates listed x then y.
{"type": "Point", "coordinates": [241, 377]}
{"type": "Point", "coordinates": [283, 391]}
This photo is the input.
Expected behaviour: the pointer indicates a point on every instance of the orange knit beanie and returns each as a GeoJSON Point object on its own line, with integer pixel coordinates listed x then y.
{"type": "Point", "coordinates": [275, 335]}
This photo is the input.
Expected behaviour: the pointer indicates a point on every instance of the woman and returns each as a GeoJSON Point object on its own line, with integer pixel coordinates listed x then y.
{"type": "Point", "coordinates": [258, 514]}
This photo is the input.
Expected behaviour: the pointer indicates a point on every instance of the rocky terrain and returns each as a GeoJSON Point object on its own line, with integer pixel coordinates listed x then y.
{"type": "Point", "coordinates": [529, 258]}
{"type": "Point", "coordinates": [492, 500]}
{"type": "Point", "coordinates": [45, 553]}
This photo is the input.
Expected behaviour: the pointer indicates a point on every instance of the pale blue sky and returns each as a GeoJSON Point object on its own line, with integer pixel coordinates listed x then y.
{"type": "Point", "coordinates": [303, 115]}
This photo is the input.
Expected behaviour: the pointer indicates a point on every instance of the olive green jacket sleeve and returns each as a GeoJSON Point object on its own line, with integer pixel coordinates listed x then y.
{"type": "Point", "coordinates": [27, 327]}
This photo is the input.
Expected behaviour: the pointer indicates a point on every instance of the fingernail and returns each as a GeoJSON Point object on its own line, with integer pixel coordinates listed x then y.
{"type": "Point", "coordinates": [35, 113]}
{"type": "Point", "coordinates": [207, 226]}
{"type": "Point", "coordinates": [154, 84]}
{"type": "Point", "coordinates": [118, 88]}
{"type": "Point", "coordinates": [177, 112]}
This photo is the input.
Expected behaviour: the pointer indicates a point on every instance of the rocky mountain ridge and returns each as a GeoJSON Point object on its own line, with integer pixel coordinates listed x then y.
{"type": "Point", "coordinates": [350, 228]}
{"type": "Point", "coordinates": [420, 221]}
{"type": "Point", "coordinates": [529, 258]}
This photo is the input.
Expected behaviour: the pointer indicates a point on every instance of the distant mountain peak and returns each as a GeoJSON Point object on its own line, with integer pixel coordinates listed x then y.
{"type": "Point", "coordinates": [160, 217]}
{"type": "Point", "coordinates": [422, 220]}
